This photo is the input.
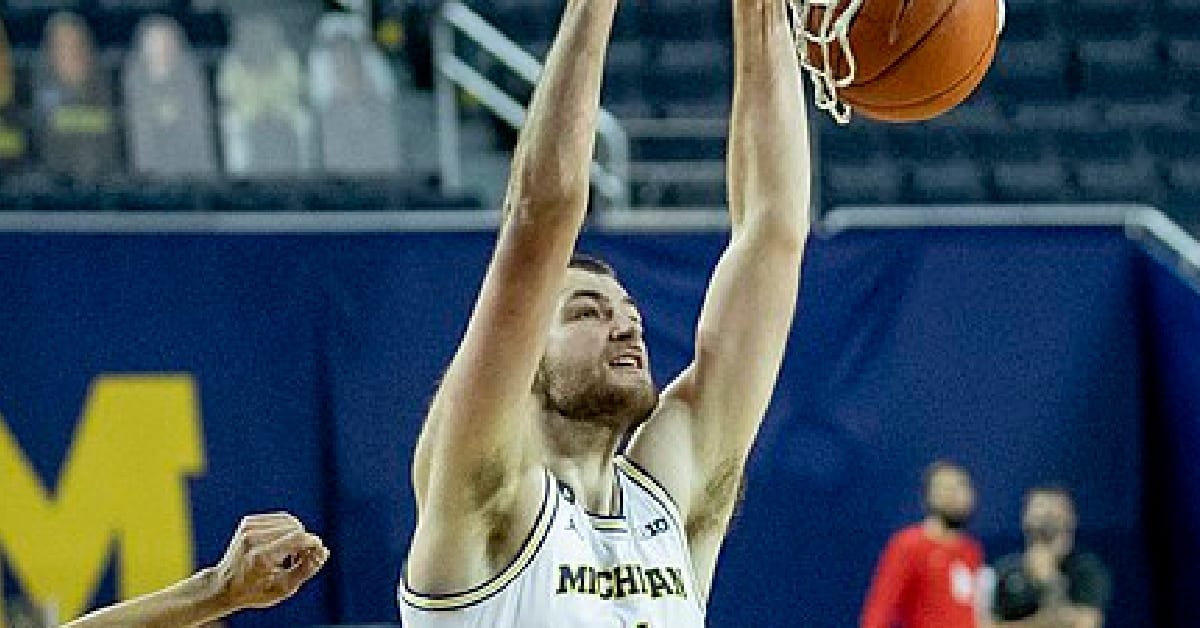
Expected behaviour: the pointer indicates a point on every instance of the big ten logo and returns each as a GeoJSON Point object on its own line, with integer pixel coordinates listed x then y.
{"type": "Point", "coordinates": [121, 495]}
{"type": "Point", "coordinates": [656, 527]}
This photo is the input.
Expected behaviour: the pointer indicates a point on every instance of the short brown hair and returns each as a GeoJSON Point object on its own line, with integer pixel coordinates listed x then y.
{"type": "Point", "coordinates": [591, 264]}
{"type": "Point", "coordinates": [1056, 490]}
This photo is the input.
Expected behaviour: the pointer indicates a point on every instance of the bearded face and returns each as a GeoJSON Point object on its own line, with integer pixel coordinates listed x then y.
{"type": "Point", "coordinates": [596, 368]}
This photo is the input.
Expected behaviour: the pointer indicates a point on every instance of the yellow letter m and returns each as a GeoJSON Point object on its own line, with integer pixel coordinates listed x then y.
{"type": "Point", "coordinates": [122, 488]}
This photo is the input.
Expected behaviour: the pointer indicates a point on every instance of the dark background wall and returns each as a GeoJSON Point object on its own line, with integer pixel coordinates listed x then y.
{"type": "Point", "coordinates": [1030, 355]}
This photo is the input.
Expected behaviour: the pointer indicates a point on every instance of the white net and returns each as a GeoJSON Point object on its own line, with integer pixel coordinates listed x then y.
{"type": "Point", "coordinates": [830, 28]}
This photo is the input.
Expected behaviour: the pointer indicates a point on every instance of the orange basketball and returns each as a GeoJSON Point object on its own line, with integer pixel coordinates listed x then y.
{"type": "Point", "coordinates": [915, 59]}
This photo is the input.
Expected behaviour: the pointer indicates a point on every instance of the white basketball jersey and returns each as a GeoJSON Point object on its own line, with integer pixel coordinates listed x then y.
{"type": "Point", "coordinates": [578, 570]}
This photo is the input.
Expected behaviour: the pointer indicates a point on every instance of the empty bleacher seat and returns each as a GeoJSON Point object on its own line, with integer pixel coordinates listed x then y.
{"type": "Point", "coordinates": [1120, 68]}
{"type": "Point", "coordinates": [1173, 144]}
{"type": "Point", "coordinates": [1178, 16]}
{"type": "Point", "coordinates": [1028, 20]}
{"type": "Point", "coordinates": [1008, 146]}
{"type": "Point", "coordinates": [1106, 18]}
{"type": "Point", "coordinates": [623, 76]}
{"type": "Point", "coordinates": [855, 143]}
{"type": "Point", "coordinates": [977, 114]}
{"type": "Point", "coordinates": [1134, 180]}
{"type": "Point", "coordinates": [691, 71]}
{"type": "Point", "coordinates": [353, 92]}
{"type": "Point", "coordinates": [1029, 70]}
{"type": "Point", "coordinates": [1056, 116]}
{"type": "Point", "coordinates": [1096, 144]}
{"type": "Point", "coordinates": [879, 181]}
{"type": "Point", "coordinates": [923, 143]}
{"type": "Point", "coordinates": [960, 181]}
{"type": "Point", "coordinates": [1044, 181]}
{"type": "Point", "coordinates": [1183, 63]}
{"type": "Point", "coordinates": [1183, 177]}
{"type": "Point", "coordinates": [1162, 113]}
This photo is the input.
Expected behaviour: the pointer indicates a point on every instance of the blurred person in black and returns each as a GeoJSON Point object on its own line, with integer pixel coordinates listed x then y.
{"type": "Point", "coordinates": [169, 116]}
{"type": "Point", "coordinates": [72, 100]}
{"type": "Point", "coordinates": [1052, 584]}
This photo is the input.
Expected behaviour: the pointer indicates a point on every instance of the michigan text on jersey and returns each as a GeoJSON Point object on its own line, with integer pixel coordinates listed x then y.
{"type": "Point", "coordinates": [621, 581]}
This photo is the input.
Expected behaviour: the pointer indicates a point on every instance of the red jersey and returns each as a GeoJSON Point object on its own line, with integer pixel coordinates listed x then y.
{"type": "Point", "coordinates": [923, 583]}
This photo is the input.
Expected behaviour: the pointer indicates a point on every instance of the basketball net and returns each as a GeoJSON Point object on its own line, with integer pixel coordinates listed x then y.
{"type": "Point", "coordinates": [829, 32]}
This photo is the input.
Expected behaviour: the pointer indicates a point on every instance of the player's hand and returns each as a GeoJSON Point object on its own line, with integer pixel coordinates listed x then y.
{"type": "Point", "coordinates": [268, 558]}
{"type": "Point", "coordinates": [1041, 561]}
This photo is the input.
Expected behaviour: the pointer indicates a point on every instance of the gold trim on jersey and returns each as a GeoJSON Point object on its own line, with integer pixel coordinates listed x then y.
{"type": "Point", "coordinates": [659, 493]}
{"type": "Point", "coordinates": [492, 586]}
{"type": "Point", "coordinates": [608, 524]}
{"type": "Point", "coordinates": [651, 486]}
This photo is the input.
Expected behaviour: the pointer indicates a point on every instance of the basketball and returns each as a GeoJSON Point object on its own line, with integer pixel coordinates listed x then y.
{"type": "Point", "coordinates": [913, 59]}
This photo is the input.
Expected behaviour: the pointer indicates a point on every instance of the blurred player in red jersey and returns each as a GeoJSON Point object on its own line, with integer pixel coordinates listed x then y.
{"type": "Point", "coordinates": [930, 572]}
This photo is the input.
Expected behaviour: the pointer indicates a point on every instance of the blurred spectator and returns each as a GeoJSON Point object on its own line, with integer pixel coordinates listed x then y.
{"type": "Point", "coordinates": [1050, 584]}
{"type": "Point", "coordinates": [168, 114]}
{"type": "Point", "coordinates": [930, 572]}
{"type": "Point", "coordinates": [264, 124]}
{"type": "Point", "coordinates": [13, 146]}
{"type": "Point", "coordinates": [354, 93]}
{"type": "Point", "coordinates": [348, 32]}
{"type": "Point", "coordinates": [72, 99]}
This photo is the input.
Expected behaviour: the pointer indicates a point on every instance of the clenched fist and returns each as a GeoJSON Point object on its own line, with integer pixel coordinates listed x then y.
{"type": "Point", "coordinates": [268, 558]}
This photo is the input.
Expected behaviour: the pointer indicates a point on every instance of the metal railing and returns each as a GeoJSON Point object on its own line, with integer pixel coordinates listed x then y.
{"type": "Point", "coordinates": [610, 178]}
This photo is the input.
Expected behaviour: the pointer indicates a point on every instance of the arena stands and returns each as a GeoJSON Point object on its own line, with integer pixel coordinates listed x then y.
{"type": "Point", "coordinates": [1088, 100]}
{"type": "Point", "coordinates": [175, 105]}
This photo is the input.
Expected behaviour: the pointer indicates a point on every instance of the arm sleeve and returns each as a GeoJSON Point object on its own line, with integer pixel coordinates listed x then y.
{"type": "Point", "coordinates": [887, 588]}
{"type": "Point", "coordinates": [1090, 583]}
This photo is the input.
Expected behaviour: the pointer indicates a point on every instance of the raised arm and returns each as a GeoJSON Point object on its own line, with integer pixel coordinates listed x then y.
{"type": "Point", "coordinates": [473, 460]}
{"type": "Point", "coordinates": [719, 401]}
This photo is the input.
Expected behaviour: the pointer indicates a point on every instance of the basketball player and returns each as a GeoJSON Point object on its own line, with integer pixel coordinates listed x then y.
{"type": "Point", "coordinates": [268, 558]}
{"type": "Point", "coordinates": [528, 515]}
{"type": "Point", "coordinates": [929, 575]}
